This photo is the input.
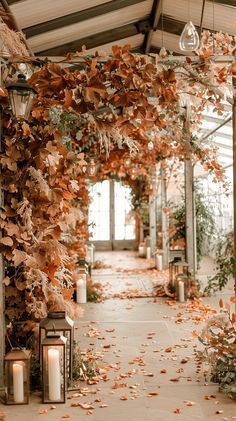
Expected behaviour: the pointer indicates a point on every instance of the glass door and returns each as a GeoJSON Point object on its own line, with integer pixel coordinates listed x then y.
{"type": "Point", "coordinates": [111, 223]}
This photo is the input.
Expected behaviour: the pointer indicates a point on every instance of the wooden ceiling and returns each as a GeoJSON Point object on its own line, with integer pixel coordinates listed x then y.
{"type": "Point", "coordinates": [56, 27]}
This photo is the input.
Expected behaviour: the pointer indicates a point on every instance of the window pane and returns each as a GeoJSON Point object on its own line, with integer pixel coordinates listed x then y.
{"type": "Point", "coordinates": [99, 211]}
{"type": "Point", "coordinates": [124, 221]}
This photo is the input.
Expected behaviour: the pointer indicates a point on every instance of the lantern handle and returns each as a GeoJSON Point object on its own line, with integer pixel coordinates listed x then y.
{"type": "Point", "coordinates": [11, 346]}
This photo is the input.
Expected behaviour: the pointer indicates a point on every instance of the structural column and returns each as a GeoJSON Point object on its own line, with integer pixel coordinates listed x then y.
{"type": "Point", "coordinates": [190, 214]}
{"type": "Point", "coordinates": [164, 218]}
{"type": "Point", "coordinates": [190, 235]}
{"type": "Point", "coordinates": [153, 212]}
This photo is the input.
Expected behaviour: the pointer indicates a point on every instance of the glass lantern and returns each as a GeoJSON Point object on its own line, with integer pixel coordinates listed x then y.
{"type": "Point", "coordinates": [54, 369]}
{"type": "Point", "coordinates": [21, 96]}
{"type": "Point", "coordinates": [17, 383]}
{"type": "Point", "coordinates": [83, 266]}
{"type": "Point", "coordinates": [92, 167]}
{"type": "Point", "coordinates": [57, 323]}
{"type": "Point", "coordinates": [177, 267]}
{"type": "Point", "coordinates": [182, 286]}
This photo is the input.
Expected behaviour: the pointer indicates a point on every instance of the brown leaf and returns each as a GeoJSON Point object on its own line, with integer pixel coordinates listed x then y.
{"type": "Point", "coordinates": [177, 410]}
{"type": "Point", "coordinates": [123, 398]}
{"type": "Point", "coordinates": [66, 416]}
{"type": "Point", "coordinates": [184, 360]}
{"type": "Point", "coordinates": [7, 241]}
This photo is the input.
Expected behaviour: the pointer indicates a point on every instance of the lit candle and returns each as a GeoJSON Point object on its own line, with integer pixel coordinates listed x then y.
{"type": "Point", "coordinates": [148, 255]}
{"type": "Point", "coordinates": [181, 291]}
{"type": "Point", "coordinates": [159, 262]}
{"type": "Point", "coordinates": [81, 290]}
{"type": "Point", "coordinates": [54, 378]}
{"type": "Point", "coordinates": [18, 383]}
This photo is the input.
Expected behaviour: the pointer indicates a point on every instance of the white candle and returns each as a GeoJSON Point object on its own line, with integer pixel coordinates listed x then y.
{"type": "Point", "coordinates": [18, 383]}
{"type": "Point", "coordinates": [81, 290]}
{"type": "Point", "coordinates": [141, 251]}
{"type": "Point", "coordinates": [159, 262]}
{"type": "Point", "coordinates": [148, 253]}
{"type": "Point", "coordinates": [54, 377]}
{"type": "Point", "coordinates": [181, 291]}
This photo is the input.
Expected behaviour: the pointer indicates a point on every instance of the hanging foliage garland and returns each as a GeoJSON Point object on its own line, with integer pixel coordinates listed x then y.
{"type": "Point", "coordinates": [111, 109]}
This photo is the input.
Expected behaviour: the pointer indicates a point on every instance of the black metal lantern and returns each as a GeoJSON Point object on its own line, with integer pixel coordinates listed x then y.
{"type": "Point", "coordinates": [21, 96]}
{"type": "Point", "coordinates": [57, 323]}
{"type": "Point", "coordinates": [177, 267]}
{"type": "Point", "coordinates": [17, 383]}
{"type": "Point", "coordinates": [54, 369]}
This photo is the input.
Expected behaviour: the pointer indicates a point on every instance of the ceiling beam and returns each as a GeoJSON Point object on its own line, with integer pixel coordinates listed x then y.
{"type": "Point", "coordinates": [79, 16]}
{"type": "Point", "coordinates": [154, 19]}
{"type": "Point", "coordinates": [97, 40]}
{"type": "Point", "coordinates": [222, 145]}
{"type": "Point", "coordinates": [225, 2]}
{"type": "Point", "coordinates": [211, 132]}
{"type": "Point", "coordinates": [215, 119]}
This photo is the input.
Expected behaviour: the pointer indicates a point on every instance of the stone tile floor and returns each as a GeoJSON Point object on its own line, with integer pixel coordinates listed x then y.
{"type": "Point", "coordinates": [144, 349]}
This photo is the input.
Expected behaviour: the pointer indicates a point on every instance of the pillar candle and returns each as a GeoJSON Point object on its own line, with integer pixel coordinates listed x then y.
{"type": "Point", "coordinates": [148, 254]}
{"type": "Point", "coordinates": [181, 291]}
{"type": "Point", "coordinates": [141, 251]}
{"type": "Point", "coordinates": [18, 383]}
{"type": "Point", "coordinates": [54, 377]}
{"type": "Point", "coordinates": [81, 290]}
{"type": "Point", "coordinates": [159, 262]}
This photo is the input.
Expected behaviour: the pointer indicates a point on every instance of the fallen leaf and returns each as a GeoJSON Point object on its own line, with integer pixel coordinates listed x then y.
{"type": "Point", "coordinates": [119, 385]}
{"type": "Point", "coordinates": [43, 411]}
{"type": "Point", "coordinates": [177, 410]}
{"type": "Point", "coordinates": [123, 398]}
{"type": "Point", "coordinates": [153, 394]}
{"type": "Point", "coordinates": [66, 416]}
{"type": "Point", "coordinates": [184, 360]}
{"type": "Point", "coordinates": [189, 403]}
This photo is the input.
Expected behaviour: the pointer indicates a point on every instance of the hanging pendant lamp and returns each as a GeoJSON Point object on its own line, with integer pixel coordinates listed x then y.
{"type": "Point", "coordinates": [189, 39]}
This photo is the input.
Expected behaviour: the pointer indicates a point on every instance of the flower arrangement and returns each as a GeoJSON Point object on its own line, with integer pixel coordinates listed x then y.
{"type": "Point", "coordinates": [219, 340]}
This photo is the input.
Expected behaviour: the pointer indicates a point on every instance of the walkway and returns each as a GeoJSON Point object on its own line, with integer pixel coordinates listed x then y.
{"type": "Point", "coordinates": [145, 350]}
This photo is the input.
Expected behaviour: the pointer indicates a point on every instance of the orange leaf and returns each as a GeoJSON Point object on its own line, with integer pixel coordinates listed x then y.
{"type": "Point", "coordinates": [123, 398]}
{"type": "Point", "coordinates": [68, 195]}
{"type": "Point", "coordinates": [233, 318]}
{"type": "Point", "coordinates": [66, 416]}
{"type": "Point", "coordinates": [221, 303]}
{"type": "Point", "coordinates": [177, 410]}
{"type": "Point", "coordinates": [118, 385]}
{"type": "Point", "coordinates": [233, 299]}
